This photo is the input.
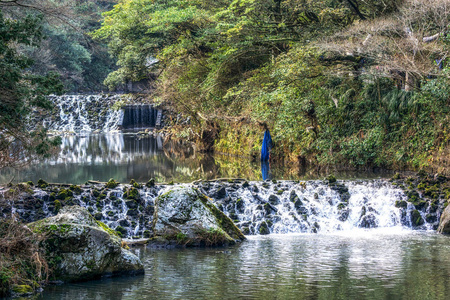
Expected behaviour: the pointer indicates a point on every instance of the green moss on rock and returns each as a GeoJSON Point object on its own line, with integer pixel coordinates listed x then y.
{"type": "Point", "coordinates": [150, 183]}
{"type": "Point", "coordinates": [42, 184]}
{"type": "Point", "coordinates": [331, 179]}
{"type": "Point", "coordinates": [22, 289]}
{"type": "Point", "coordinates": [58, 206]}
{"type": "Point", "coordinates": [263, 229]}
{"type": "Point", "coordinates": [111, 184]}
{"type": "Point", "coordinates": [132, 193]}
{"type": "Point", "coordinates": [75, 189]}
{"type": "Point", "coordinates": [416, 218]}
{"type": "Point", "coordinates": [134, 184]}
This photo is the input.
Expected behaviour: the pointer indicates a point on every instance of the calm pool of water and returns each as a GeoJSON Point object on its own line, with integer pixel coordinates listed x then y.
{"type": "Point", "coordinates": [126, 156]}
{"type": "Point", "coordinates": [364, 264]}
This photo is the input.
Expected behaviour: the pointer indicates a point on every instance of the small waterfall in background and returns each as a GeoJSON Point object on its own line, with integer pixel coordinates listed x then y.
{"type": "Point", "coordinates": [84, 113]}
{"type": "Point", "coordinates": [139, 116]}
{"type": "Point", "coordinates": [255, 207]}
{"type": "Point", "coordinates": [99, 113]}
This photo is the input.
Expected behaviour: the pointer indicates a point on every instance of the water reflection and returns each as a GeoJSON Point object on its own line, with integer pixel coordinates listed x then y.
{"type": "Point", "coordinates": [364, 265]}
{"type": "Point", "coordinates": [126, 156]}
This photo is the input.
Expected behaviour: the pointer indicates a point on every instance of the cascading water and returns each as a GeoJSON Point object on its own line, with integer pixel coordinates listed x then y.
{"type": "Point", "coordinates": [255, 207]}
{"type": "Point", "coordinates": [85, 113]}
{"type": "Point", "coordinates": [312, 206]}
{"type": "Point", "coordinates": [99, 113]}
{"type": "Point", "coordinates": [139, 116]}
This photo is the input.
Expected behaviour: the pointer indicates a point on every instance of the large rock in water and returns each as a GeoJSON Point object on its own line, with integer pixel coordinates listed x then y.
{"type": "Point", "coordinates": [186, 216]}
{"type": "Point", "coordinates": [444, 224]}
{"type": "Point", "coordinates": [79, 248]}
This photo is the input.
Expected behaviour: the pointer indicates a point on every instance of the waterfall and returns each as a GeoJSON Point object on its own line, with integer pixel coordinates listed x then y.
{"type": "Point", "coordinates": [84, 113]}
{"type": "Point", "coordinates": [139, 116]}
{"type": "Point", "coordinates": [312, 206]}
{"type": "Point", "coordinates": [97, 113]}
{"type": "Point", "coordinates": [255, 207]}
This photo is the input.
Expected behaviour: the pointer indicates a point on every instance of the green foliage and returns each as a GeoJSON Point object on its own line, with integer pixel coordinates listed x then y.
{"type": "Point", "coordinates": [232, 66]}
{"type": "Point", "coordinates": [82, 63]}
{"type": "Point", "coordinates": [22, 92]}
{"type": "Point", "coordinates": [182, 239]}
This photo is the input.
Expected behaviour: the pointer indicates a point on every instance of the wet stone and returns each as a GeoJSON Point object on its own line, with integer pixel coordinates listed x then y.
{"type": "Point", "coordinates": [343, 216]}
{"type": "Point", "coordinates": [124, 223]}
{"type": "Point", "coordinates": [221, 193]}
{"type": "Point", "coordinates": [368, 221]}
{"type": "Point", "coordinates": [274, 200]}
{"type": "Point", "coordinates": [431, 218]}
{"type": "Point", "coordinates": [131, 204]}
{"type": "Point", "coordinates": [292, 196]}
{"type": "Point", "coordinates": [132, 212]}
{"type": "Point", "coordinates": [269, 208]}
{"type": "Point", "coordinates": [416, 218]}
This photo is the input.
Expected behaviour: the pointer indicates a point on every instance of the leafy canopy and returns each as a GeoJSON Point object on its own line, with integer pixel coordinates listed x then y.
{"type": "Point", "coordinates": [21, 92]}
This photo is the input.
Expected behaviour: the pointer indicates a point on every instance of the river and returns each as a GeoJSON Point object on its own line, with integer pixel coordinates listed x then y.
{"type": "Point", "coordinates": [358, 264]}
{"type": "Point", "coordinates": [126, 156]}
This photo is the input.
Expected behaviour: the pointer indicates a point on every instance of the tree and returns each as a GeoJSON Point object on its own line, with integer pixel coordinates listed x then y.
{"type": "Point", "coordinates": [22, 92]}
{"type": "Point", "coordinates": [67, 48]}
{"type": "Point", "coordinates": [406, 44]}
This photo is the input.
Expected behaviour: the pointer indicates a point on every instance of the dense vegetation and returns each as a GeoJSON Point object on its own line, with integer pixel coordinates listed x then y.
{"type": "Point", "coordinates": [44, 49]}
{"type": "Point", "coordinates": [338, 82]}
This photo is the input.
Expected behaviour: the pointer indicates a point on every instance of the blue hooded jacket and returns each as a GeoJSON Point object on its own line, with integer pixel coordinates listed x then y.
{"type": "Point", "coordinates": [266, 146]}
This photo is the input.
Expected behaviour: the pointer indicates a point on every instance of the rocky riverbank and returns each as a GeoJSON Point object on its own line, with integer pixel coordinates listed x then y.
{"type": "Point", "coordinates": [73, 245]}
{"type": "Point", "coordinates": [94, 216]}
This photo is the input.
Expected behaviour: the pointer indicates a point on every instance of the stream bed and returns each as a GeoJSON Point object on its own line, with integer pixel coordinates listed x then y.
{"type": "Point", "coordinates": [393, 263]}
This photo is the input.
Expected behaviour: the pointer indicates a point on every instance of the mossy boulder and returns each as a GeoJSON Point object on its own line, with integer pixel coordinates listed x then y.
{"type": "Point", "coordinates": [401, 204]}
{"type": "Point", "coordinates": [150, 183]}
{"type": "Point", "coordinates": [111, 184]}
{"type": "Point", "coordinates": [80, 248]}
{"type": "Point", "coordinates": [444, 224]}
{"type": "Point", "coordinates": [263, 229]}
{"type": "Point", "coordinates": [331, 179]}
{"type": "Point", "coordinates": [186, 212]}
{"type": "Point", "coordinates": [274, 200]}
{"type": "Point", "coordinates": [416, 219]}
{"type": "Point", "coordinates": [42, 184]}
{"type": "Point", "coordinates": [132, 194]}
{"type": "Point", "coordinates": [134, 184]}
{"type": "Point", "coordinates": [21, 290]}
